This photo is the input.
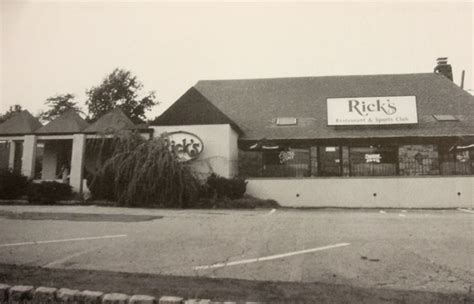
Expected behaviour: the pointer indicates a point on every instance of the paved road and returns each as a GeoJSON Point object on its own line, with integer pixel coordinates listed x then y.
{"type": "Point", "coordinates": [413, 250]}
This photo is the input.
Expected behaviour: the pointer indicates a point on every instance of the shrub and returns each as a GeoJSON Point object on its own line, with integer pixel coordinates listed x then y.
{"type": "Point", "coordinates": [232, 188]}
{"type": "Point", "coordinates": [247, 202]}
{"type": "Point", "coordinates": [12, 185]}
{"type": "Point", "coordinates": [48, 192]}
{"type": "Point", "coordinates": [252, 202]}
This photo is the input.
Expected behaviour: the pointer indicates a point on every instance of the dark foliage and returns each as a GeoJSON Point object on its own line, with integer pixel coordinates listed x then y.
{"type": "Point", "coordinates": [11, 112]}
{"type": "Point", "coordinates": [58, 105]}
{"type": "Point", "coordinates": [48, 192]}
{"type": "Point", "coordinates": [12, 185]}
{"type": "Point", "coordinates": [247, 202]}
{"type": "Point", "coordinates": [120, 89]}
{"type": "Point", "coordinates": [221, 187]}
{"type": "Point", "coordinates": [102, 185]}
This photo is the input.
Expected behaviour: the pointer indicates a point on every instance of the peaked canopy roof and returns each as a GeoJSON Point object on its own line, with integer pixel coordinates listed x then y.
{"type": "Point", "coordinates": [114, 120]}
{"type": "Point", "coordinates": [69, 122]}
{"type": "Point", "coordinates": [21, 123]}
{"type": "Point", "coordinates": [255, 104]}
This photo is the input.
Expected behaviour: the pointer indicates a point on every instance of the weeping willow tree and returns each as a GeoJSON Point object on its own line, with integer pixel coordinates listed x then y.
{"type": "Point", "coordinates": [141, 172]}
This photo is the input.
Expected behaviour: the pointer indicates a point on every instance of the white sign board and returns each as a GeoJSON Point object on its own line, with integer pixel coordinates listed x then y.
{"type": "Point", "coordinates": [372, 110]}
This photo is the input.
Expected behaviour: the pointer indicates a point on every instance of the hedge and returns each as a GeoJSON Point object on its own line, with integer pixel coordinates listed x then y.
{"type": "Point", "coordinates": [12, 185]}
{"type": "Point", "coordinates": [48, 192]}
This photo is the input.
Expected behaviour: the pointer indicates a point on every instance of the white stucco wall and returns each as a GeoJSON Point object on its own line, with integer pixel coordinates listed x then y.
{"type": "Point", "coordinates": [29, 156]}
{"type": "Point", "coordinates": [391, 192]}
{"type": "Point", "coordinates": [220, 147]}
{"type": "Point", "coordinates": [233, 152]}
{"type": "Point", "coordinates": [11, 155]}
{"type": "Point", "coordinates": [77, 162]}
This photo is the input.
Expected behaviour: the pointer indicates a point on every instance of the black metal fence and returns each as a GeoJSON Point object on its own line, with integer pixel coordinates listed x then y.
{"type": "Point", "coordinates": [457, 168]}
{"type": "Point", "coordinates": [373, 169]}
{"type": "Point", "coordinates": [306, 164]}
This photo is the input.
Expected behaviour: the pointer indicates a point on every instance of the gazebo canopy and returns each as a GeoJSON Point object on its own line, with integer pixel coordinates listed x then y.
{"type": "Point", "coordinates": [114, 120]}
{"type": "Point", "coordinates": [20, 124]}
{"type": "Point", "coordinates": [67, 123]}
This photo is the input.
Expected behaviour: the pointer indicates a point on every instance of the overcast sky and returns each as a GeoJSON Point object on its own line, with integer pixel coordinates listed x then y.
{"type": "Point", "coordinates": [51, 47]}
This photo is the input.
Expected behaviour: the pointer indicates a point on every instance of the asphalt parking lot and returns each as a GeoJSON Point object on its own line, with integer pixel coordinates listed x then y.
{"type": "Point", "coordinates": [399, 249]}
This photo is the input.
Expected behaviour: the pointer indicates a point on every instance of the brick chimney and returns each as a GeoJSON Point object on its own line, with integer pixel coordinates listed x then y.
{"type": "Point", "coordinates": [444, 68]}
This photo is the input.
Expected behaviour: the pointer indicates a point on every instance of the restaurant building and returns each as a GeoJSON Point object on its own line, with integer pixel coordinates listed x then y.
{"type": "Point", "coordinates": [404, 140]}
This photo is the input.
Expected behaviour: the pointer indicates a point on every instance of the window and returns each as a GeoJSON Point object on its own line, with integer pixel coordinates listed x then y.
{"type": "Point", "coordinates": [330, 162]}
{"type": "Point", "coordinates": [286, 121]}
{"type": "Point", "coordinates": [439, 117]}
{"type": "Point", "coordinates": [418, 160]}
{"type": "Point", "coordinates": [286, 163]}
{"type": "Point", "coordinates": [250, 163]}
{"type": "Point", "coordinates": [373, 160]}
{"type": "Point", "coordinates": [455, 160]}
{"type": "Point", "coordinates": [359, 160]}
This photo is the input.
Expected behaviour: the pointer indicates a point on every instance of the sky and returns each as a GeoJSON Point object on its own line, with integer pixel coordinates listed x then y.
{"type": "Point", "coordinates": [50, 48]}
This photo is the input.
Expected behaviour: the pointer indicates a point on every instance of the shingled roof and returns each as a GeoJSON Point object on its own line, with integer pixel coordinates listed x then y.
{"type": "Point", "coordinates": [254, 104]}
{"type": "Point", "coordinates": [20, 124]}
{"type": "Point", "coordinates": [114, 120]}
{"type": "Point", "coordinates": [69, 122]}
{"type": "Point", "coordinates": [194, 109]}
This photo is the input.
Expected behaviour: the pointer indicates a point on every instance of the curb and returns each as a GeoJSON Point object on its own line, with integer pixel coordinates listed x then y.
{"type": "Point", "coordinates": [25, 294]}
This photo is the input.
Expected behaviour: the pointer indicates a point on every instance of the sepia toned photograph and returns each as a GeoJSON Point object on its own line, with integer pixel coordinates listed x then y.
{"type": "Point", "coordinates": [237, 152]}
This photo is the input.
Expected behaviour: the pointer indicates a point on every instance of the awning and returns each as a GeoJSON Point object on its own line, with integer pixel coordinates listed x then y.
{"type": "Point", "coordinates": [264, 144]}
{"type": "Point", "coordinates": [471, 146]}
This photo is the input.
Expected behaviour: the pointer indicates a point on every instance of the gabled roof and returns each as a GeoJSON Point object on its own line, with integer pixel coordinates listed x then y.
{"type": "Point", "coordinates": [254, 105]}
{"type": "Point", "coordinates": [19, 124]}
{"type": "Point", "coordinates": [114, 120]}
{"type": "Point", "coordinates": [194, 109]}
{"type": "Point", "coordinates": [67, 123]}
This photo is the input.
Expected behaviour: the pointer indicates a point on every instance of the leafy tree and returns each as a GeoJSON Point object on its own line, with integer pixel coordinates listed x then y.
{"type": "Point", "coordinates": [140, 172]}
{"type": "Point", "coordinates": [11, 111]}
{"type": "Point", "coordinates": [58, 105]}
{"type": "Point", "coordinates": [120, 89]}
